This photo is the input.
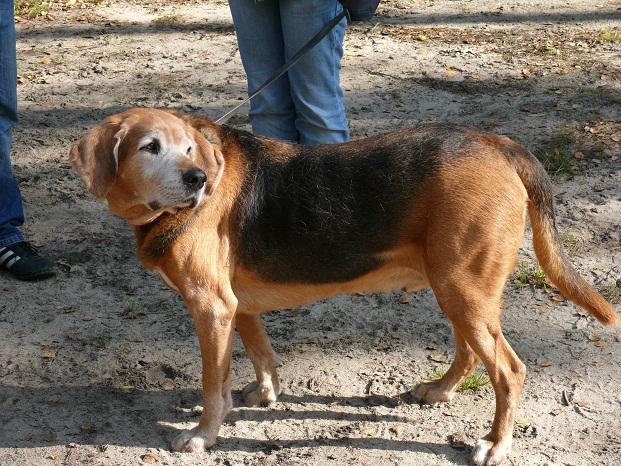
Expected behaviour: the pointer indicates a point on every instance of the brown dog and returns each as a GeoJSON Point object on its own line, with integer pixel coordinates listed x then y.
{"type": "Point", "coordinates": [241, 225]}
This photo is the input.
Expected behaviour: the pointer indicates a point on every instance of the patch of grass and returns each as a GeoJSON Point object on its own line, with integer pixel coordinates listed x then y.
{"type": "Point", "coordinates": [31, 8]}
{"type": "Point", "coordinates": [132, 308]}
{"type": "Point", "coordinates": [533, 275]}
{"type": "Point", "coordinates": [530, 275]}
{"type": "Point", "coordinates": [239, 353]}
{"type": "Point", "coordinates": [612, 292]}
{"type": "Point", "coordinates": [474, 382]}
{"type": "Point", "coordinates": [556, 161]}
{"type": "Point", "coordinates": [610, 36]}
{"type": "Point", "coordinates": [573, 242]}
{"type": "Point", "coordinates": [555, 155]}
{"type": "Point", "coordinates": [168, 19]}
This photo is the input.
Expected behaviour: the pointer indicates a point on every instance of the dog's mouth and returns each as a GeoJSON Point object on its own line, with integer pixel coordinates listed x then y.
{"type": "Point", "coordinates": [189, 203]}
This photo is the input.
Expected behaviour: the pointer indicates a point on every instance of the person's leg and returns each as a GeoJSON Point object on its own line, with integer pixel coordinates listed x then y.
{"type": "Point", "coordinates": [260, 41]}
{"type": "Point", "coordinates": [16, 255]}
{"type": "Point", "coordinates": [11, 212]}
{"type": "Point", "coordinates": [315, 79]}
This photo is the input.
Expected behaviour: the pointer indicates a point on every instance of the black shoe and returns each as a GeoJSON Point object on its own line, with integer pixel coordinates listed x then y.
{"type": "Point", "coordinates": [23, 262]}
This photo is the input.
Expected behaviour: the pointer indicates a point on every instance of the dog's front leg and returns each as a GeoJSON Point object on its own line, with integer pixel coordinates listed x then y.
{"type": "Point", "coordinates": [265, 361]}
{"type": "Point", "coordinates": [214, 321]}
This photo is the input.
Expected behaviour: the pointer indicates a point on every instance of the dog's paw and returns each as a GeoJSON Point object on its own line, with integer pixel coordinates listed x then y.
{"type": "Point", "coordinates": [258, 395]}
{"type": "Point", "coordinates": [485, 453]}
{"type": "Point", "coordinates": [190, 441]}
{"type": "Point", "coordinates": [431, 392]}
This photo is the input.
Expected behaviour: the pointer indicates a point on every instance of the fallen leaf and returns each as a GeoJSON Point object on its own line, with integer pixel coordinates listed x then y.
{"type": "Point", "coordinates": [545, 364]}
{"type": "Point", "coordinates": [522, 422]}
{"type": "Point", "coordinates": [149, 458]}
{"type": "Point", "coordinates": [439, 357]}
{"type": "Point", "coordinates": [556, 412]}
{"type": "Point", "coordinates": [404, 299]}
{"type": "Point", "coordinates": [368, 431]}
{"type": "Point", "coordinates": [601, 344]}
{"type": "Point", "coordinates": [48, 355]}
{"type": "Point", "coordinates": [397, 430]}
{"type": "Point", "coordinates": [598, 363]}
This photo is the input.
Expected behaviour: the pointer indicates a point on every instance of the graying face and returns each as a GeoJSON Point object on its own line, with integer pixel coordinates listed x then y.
{"type": "Point", "coordinates": [157, 169]}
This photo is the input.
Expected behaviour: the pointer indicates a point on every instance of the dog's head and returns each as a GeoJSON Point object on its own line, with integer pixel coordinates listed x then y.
{"type": "Point", "coordinates": [146, 162]}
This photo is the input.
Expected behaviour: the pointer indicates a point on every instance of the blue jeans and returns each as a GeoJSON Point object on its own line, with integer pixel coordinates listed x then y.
{"type": "Point", "coordinates": [11, 212]}
{"type": "Point", "coordinates": [306, 104]}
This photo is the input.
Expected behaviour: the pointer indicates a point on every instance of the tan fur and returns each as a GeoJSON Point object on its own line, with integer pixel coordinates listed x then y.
{"type": "Point", "coordinates": [460, 236]}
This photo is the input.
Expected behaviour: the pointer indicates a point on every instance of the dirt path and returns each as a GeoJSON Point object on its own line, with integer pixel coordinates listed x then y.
{"type": "Point", "coordinates": [100, 366]}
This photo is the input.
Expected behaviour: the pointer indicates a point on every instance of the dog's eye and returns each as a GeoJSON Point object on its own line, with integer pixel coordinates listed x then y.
{"type": "Point", "coordinates": [189, 150]}
{"type": "Point", "coordinates": [151, 147]}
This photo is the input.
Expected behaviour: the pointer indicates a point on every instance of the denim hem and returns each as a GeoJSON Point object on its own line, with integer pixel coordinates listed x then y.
{"type": "Point", "coordinates": [18, 238]}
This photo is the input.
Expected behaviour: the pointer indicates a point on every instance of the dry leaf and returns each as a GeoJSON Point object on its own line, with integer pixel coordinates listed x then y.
{"type": "Point", "coordinates": [48, 355]}
{"type": "Point", "coordinates": [368, 431]}
{"type": "Point", "coordinates": [601, 344]}
{"type": "Point", "coordinates": [397, 430]}
{"type": "Point", "coordinates": [522, 422]}
{"type": "Point", "coordinates": [545, 364]}
{"type": "Point", "coordinates": [149, 458]}
{"type": "Point", "coordinates": [439, 357]}
{"type": "Point", "coordinates": [404, 299]}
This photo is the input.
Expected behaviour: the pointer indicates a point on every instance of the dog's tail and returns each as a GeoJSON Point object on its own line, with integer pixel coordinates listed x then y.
{"type": "Point", "coordinates": [546, 239]}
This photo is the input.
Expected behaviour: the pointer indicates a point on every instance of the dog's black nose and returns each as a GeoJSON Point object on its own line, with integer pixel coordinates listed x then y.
{"type": "Point", "coordinates": [194, 179]}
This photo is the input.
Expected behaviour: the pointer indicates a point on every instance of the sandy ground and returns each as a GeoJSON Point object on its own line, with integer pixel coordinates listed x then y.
{"type": "Point", "coordinates": [100, 366]}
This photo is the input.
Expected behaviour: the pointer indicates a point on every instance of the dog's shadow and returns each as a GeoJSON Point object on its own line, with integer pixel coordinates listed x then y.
{"type": "Point", "coordinates": [103, 416]}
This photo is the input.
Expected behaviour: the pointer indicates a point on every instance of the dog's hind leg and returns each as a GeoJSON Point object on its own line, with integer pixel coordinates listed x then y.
{"type": "Point", "coordinates": [264, 359]}
{"type": "Point", "coordinates": [443, 389]}
{"type": "Point", "coordinates": [476, 317]}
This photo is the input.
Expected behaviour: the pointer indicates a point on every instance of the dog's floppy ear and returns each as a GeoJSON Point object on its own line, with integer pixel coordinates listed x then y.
{"type": "Point", "coordinates": [211, 160]}
{"type": "Point", "coordinates": [95, 156]}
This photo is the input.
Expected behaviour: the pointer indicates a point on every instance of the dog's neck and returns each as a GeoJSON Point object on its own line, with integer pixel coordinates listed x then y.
{"type": "Point", "coordinates": [155, 238]}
